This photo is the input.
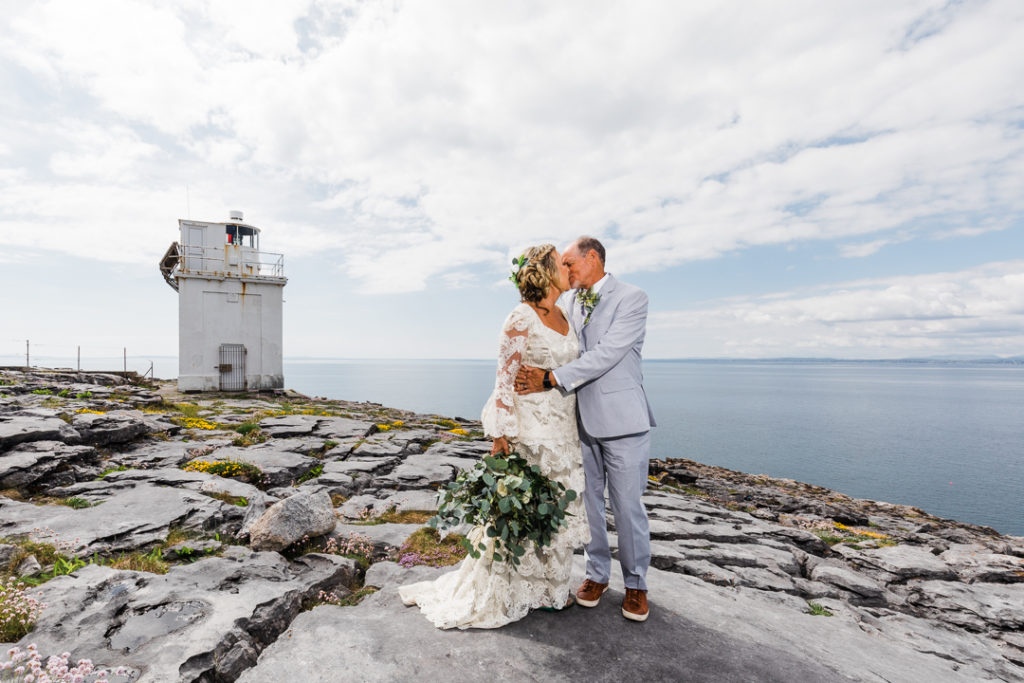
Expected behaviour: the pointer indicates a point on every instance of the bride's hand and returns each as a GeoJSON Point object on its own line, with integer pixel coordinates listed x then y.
{"type": "Point", "coordinates": [500, 446]}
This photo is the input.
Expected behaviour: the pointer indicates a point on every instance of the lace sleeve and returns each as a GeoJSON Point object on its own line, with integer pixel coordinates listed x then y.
{"type": "Point", "coordinates": [499, 417]}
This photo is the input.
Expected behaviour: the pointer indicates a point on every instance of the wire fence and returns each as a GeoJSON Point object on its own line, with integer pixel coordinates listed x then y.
{"type": "Point", "coordinates": [85, 358]}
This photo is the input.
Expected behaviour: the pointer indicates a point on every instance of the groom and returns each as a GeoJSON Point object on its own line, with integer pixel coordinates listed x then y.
{"type": "Point", "coordinates": [610, 318]}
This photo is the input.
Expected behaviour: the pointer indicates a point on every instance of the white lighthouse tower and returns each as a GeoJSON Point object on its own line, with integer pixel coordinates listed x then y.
{"type": "Point", "coordinates": [229, 306]}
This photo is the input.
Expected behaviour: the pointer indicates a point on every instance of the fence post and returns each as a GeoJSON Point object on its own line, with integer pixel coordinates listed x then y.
{"type": "Point", "coordinates": [126, 362]}
{"type": "Point", "coordinates": [79, 360]}
{"type": "Point", "coordinates": [27, 364]}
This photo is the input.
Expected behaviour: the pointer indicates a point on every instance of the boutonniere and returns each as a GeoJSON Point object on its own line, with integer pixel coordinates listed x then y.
{"type": "Point", "coordinates": [590, 299]}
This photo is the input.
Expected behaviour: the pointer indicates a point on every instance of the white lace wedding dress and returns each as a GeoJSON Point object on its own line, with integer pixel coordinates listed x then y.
{"type": "Point", "coordinates": [541, 427]}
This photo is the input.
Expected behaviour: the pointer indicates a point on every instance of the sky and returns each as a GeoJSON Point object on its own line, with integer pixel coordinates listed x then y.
{"type": "Point", "coordinates": [804, 179]}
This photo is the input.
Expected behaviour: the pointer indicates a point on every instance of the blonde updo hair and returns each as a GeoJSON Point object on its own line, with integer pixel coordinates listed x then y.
{"type": "Point", "coordinates": [536, 277]}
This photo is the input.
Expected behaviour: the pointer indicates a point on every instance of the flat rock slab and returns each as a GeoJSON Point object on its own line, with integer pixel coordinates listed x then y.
{"type": "Point", "coordinates": [342, 428]}
{"type": "Point", "coordinates": [205, 621]}
{"type": "Point", "coordinates": [37, 424]}
{"type": "Point", "coordinates": [365, 506]}
{"type": "Point", "coordinates": [36, 463]}
{"type": "Point", "coordinates": [110, 428]}
{"type": "Point", "coordinates": [137, 517]}
{"type": "Point", "coordinates": [202, 482]}
{"type": "Point", "coordinates": [382, 535]}
{"type": "Point", "coordinates": [379, 444]}
{"type": "Point", "coordinates": [898, 562]}
{"type": "Point", "coordinates": [280, 467]}
{"type": "Point", "coordinates": [423, 470]}
{"type": "Point", "coordinates": [695, 633]}
{"type": "Point", "coordinates": [155, 453]}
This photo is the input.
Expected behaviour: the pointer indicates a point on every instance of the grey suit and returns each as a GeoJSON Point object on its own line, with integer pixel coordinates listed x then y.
{"type": "Point", "coordinates": [614, 421]}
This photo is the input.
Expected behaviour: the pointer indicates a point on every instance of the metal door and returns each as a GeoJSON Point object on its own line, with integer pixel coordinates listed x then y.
{"type": "Point", "coordinates": [232, 367]}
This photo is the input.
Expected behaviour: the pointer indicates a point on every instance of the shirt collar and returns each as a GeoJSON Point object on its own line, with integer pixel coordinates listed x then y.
{"type": "Point", "coordinates": [599, 284]}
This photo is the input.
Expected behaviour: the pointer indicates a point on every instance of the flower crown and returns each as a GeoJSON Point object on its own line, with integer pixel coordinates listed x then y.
{"type": "Point", "coordinates": [518, 265]}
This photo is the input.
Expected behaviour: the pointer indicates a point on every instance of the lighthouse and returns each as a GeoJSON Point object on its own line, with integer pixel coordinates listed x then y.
{"type": "Point", "coordinates": [230, 296]}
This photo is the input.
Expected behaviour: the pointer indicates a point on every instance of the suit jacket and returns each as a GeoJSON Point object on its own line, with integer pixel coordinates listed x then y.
{"type": "Point", "coordinates": [607, 377]}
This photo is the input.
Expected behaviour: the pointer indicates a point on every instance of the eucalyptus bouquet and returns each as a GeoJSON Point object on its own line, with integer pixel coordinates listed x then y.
{"type": "Point", "coordinates": [512, 499]}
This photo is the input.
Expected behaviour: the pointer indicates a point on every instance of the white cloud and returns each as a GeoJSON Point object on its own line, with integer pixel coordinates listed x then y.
{"type": "Point", "coordinates": [418, 142]}
{"type": "Point", "coordinates": [505, 126]}
{"type": "Point", "coordinates": [976, 311]}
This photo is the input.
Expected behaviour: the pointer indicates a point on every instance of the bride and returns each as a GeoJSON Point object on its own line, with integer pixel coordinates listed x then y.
{"type": "Point", "coordinates": [540, 427]}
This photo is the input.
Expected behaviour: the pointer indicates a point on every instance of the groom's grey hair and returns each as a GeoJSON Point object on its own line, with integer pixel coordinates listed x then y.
{"type": "Point", "coordinates": [587, 244]}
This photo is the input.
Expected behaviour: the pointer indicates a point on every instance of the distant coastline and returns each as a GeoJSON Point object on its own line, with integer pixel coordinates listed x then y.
{"type": "Point", "coordinates": [53, 361]}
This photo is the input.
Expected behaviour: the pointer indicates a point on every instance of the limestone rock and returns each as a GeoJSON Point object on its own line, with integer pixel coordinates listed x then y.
{"type": "Point", "coordinates": [37, 424]}
{"type": "Point", "coordinates": [285, 522]}
{"type": "Point", "coordinates": [977, 607]}
{"type": "Point", "coordinates": [383, 536]}
{"type": "Point", "coordinates": [205, 621]}
{"type": "Point", "coordinates": [738, 638]}
{"type": "Point", "coordinates": [289, 425]}
{"type": "Point", "coordinates": [847, 580]}
{"type": "Point", "coordinates": [110, 428]}
{"type": "Point", "coordinates": [425, 469]}
{"type": "Point", "coordinates": [280, 467]}
{"type": "Point", "coordinates": [7, 553]}
{"type": "Point", "coordinates": [34, 464]}
{"type": "Point", "coordinates": [341, 428]}
{"type": "Point", "coordinates": [137, 517]}
{"type": "Point", "coordinates": [29, 567]}
{"type": "Point", "coordinates": [899, 562]}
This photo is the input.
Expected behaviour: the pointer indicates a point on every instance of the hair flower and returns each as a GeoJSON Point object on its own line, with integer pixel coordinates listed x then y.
{"type": "Point", "coordinates": [518, 265]}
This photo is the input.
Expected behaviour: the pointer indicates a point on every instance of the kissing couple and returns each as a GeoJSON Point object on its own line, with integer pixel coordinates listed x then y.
{"type": "Point", "coordinates": [569, 397]}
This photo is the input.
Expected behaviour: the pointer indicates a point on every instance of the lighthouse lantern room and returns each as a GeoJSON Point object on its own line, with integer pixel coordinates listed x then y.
{"type": "Point", "coordinates": [229, 306]}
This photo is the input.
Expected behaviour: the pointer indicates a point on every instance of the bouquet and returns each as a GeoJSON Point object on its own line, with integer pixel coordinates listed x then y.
{"type": "Point", "coordinates": [511, 499]}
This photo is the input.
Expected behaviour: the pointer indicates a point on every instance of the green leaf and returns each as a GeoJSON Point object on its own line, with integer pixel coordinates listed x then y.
{"type": "Point", "coordinates": [570, 495]}
{"type": "Point", "coordinates": [505, 504]}
{"type": "Point", "coordinates": [488, 479]}
{"type": "Point", "coordinates": [543, 508]}
{"type": "Point", "coordinates": [481, 546]}
{"type": "Point", "coordinates": [496, 557]}
{"type": "Point", "coordinates": [518, 550]}
{"type": "Point", "coordinates": [498, 465]}
{"type": "Point", "coordinates": [491, 532]}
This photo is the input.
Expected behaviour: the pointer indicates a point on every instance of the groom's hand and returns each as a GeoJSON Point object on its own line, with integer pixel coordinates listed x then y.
{"type": "Point", "coordinates": [529, 380]}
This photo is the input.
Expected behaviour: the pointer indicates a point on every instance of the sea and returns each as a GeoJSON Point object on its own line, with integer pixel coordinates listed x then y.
{"type": "Point", "coordinates": [946, 436]}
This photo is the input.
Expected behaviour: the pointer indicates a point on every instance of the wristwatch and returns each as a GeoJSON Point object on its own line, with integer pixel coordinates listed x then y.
{"type": "Point", "coordinates": [547, 380]}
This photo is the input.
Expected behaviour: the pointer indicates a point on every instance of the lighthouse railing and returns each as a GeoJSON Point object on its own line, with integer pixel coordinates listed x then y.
{"type": "Point", "coordinates": [214, 261]}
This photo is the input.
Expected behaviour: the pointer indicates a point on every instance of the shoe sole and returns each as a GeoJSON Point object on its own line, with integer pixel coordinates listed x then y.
{"type": "Point", "coordinates": [590, 603]}
{"type": "Point", "coordinates": [636, 617]}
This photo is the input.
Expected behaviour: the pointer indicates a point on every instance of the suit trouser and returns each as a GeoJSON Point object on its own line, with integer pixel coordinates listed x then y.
{"type": "Point", "coordinates": [621, 463]}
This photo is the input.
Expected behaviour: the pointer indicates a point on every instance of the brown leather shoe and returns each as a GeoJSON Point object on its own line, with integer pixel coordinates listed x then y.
{"type": "Point", "coordinates": [589, 594]}
{"type": "Point", "coordinates": [634, 605]}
